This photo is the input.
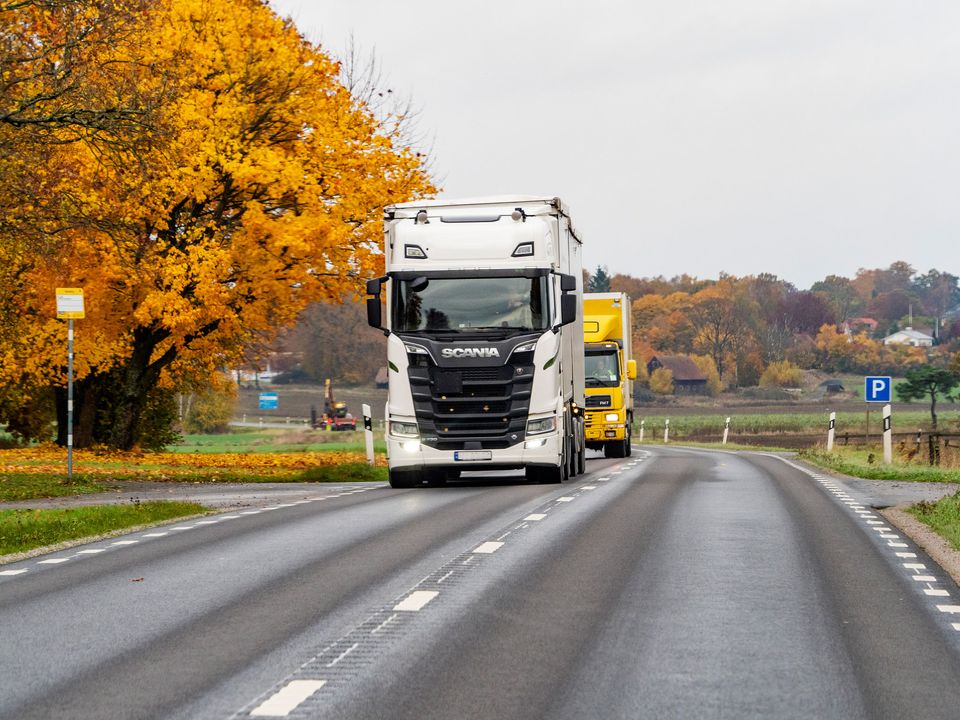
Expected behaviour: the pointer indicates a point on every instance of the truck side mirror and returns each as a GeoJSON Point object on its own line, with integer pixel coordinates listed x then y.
{"type": "Point", "coordinates": [568, 283]}
{"type": "Point", "coordinates": [568, 309]}
{"type": "Point", "coordinates": [374, 310]}
{"type": "Point", "coordinates": [631, 369]}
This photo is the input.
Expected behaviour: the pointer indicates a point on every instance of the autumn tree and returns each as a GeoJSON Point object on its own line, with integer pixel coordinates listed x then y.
{"type": "Point", "coordinates": [930, 382]}
{"type": "Point", "coordinates": [252, 187]}
{"type": "Point", "coordinates": [722, 315]}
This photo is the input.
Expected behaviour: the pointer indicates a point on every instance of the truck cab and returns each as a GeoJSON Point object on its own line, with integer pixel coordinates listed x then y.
{"type": "Point", "coordinates": [608, 372]}
{"type": "Point", "coordinates": [484, 334]}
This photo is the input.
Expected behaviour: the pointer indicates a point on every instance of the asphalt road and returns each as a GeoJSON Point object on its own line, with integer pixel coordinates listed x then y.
{"type": "Point", "coordinates": [674, 584]}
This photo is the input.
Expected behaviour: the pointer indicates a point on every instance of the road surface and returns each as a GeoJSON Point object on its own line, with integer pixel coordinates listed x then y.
{"type": "Point", "coordinates": [676, 583]}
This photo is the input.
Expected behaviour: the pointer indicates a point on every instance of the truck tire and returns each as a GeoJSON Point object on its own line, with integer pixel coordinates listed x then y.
{"type": "Point", "coordinates": [403, 478]}
{"type": "Point", "coordinates": [545, 475]}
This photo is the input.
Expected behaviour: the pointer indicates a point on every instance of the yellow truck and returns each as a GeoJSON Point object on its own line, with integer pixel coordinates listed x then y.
{"type": "Point", "coordinates": [608, 372]}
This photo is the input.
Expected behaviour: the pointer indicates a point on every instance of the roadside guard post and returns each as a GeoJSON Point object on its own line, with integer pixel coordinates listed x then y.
{"type": "Point", "coordinates": [70, 308]}
{"type": "Point", "coordinates": [726, 431]}
{"type": "Point", "coordinates": [830, 430]}
{"type": "Point", "coordinates": [887, 436]}
{"type": "Point", "coordinates": [666, 430]}
{"type": "Point", "coordinates": [641, 429]}
{"type": "Point", "coordinates": [368, 432]}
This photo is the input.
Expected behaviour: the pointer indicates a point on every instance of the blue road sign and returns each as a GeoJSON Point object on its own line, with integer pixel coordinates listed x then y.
{"type": "Point", "coordinates": [269, 401]}
{"type": "Point", "coordinates": [877, 389]}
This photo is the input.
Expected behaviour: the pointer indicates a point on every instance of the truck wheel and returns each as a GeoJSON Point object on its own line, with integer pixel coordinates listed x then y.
{"type": "Point", "coordinates": [403, 478]}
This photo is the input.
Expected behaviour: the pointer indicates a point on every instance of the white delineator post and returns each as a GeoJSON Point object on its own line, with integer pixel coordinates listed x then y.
{"type": "Point", "coordinates": [666, 431]}
{"type": "Point", "coordinates": [641, 430]}
{"type": "Point", "coordinates": [368, 432]}
{"type": "Point", "coordinates": [830, 431]}
{"type": "Point", "coordinates": [726, 431]}
{"type": "Point", "coordinates": [887, 436]}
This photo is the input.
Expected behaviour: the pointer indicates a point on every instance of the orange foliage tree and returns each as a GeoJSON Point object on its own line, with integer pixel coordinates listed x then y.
{"type": "Point", "coordinates": [244, 183]}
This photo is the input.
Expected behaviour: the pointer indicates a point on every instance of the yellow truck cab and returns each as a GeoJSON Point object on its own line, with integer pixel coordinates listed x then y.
{"type": "Point", "coordinates": [608, 372]}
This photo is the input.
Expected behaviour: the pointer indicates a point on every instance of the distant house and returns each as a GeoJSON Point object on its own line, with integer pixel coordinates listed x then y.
{"type": "Point", "coordinates": [688, 379]}
{"type": "Point", "coordinates": [852, 326]}
{"type": "Point", "coordinates": [382, 379]}
{"type": "Point", "coordinates": [909, 336]}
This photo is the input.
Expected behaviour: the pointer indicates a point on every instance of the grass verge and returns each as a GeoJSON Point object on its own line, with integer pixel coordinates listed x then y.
{"type": "Point", "coordinates": [27, 486]}
{"type": "Point", "coordinates": [943, 516]}
{"type": "Point", "coordinates": [869, 465]}
{"type": "Point", "coordinates": [22, 530]}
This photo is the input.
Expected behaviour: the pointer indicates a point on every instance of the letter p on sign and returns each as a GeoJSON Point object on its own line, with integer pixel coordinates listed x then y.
{"type": "Point", "coordinates": [877, 389]}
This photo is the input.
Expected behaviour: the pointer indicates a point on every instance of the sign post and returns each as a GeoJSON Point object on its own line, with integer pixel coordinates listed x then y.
{"type": "Point", "coordinates": [368, 432]}
{"type": "Point", "coordinates": [726, 431]}
{"type": "Point", "coordinates": [70, 308]}
{"type": "Point", "coordinates": [887, 436]}
{"type": "Point", "coordinates": [641, 429]}
{"type": "Point", "coordinates": [666, 431]}
{"type": "Point", "coordinates": [831, 430]}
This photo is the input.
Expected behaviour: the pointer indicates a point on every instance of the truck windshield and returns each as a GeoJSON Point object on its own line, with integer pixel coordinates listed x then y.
{"type": "Point", "coordinates": [602, 369]}
{"type": "Point", "coordinates": [451, 305]}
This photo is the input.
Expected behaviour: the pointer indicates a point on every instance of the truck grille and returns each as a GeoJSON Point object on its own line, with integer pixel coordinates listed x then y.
{"type": "Point", "coordinates": [485, 405]}
{"type": "Point", "coordinates": [597, 401]}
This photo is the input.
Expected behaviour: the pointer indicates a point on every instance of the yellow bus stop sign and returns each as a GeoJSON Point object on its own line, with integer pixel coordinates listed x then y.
{"type": "Point", "coordinates": [69, 303]}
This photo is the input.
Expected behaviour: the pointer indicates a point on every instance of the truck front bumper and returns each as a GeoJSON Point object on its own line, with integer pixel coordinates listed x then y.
{"type": "Point", "coordinates": [405, 454]}
{"type": "Point", "coordinates": [602, 432]}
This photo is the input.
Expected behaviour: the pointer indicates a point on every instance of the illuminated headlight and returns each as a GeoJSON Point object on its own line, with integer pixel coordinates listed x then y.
{"type": "Point", "coordinates": [523, 250]}
{"type": "Point", "coordinates": [526, 347]}
{"type": "Point", "coordinates": [535, 427]}
{"type": "Point", "coordinates": [411, 446]}
{"type": "Point", "coordinates": [416, 349]}
{"type": "Point", "coordinates": [404, 429]}
{"type": "Point", "coordinates": [414, 251]}
{"type": "Point", "coordinates": [611, 417]}
{"type": "Point", "coordinates": [531, 444]}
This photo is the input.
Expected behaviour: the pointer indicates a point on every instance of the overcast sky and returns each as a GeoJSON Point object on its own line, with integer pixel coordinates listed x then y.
{"type": "Point", "coordinates": [691, 136]}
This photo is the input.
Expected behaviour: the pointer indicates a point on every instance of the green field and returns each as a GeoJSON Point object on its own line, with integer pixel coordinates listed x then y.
{"type": "Point", "coordinates": [797, 422]}
{"type": "Point", "coordinates": [867, 463]}
{"type": "Point", "coordinates": [273, 440]}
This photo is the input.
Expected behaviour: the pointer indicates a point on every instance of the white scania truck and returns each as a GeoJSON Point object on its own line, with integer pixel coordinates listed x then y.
{"type": "Point", "coordinates": [485, 339]}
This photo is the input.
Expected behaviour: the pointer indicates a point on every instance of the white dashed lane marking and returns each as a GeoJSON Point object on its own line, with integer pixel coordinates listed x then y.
{"type": "Point", "coordinates": [93, 551]}
{"type": "Point", "coordinates": [415, 601]}
{"type": "Point", "coordinates": [159, 534]}
{"type": "Point", "coordinates": [52, 561]}
{"type": "Point", "coordinates": [535, 516]}
{"type": "Point", "coordinates": [566, 498]}
{"type": "Point", "coordinates": [488, 547]}
{"type": "Point", "coordinates": [12, 572]}
{"type": "Point", "coordinates": [288, 698]}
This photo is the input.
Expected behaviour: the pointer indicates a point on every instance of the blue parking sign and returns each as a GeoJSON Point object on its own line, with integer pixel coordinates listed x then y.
{"type": "Point", "coordinates": [877, 388]}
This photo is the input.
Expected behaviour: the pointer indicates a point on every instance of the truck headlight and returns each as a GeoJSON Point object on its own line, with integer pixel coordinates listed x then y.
{"type": "Point", "coordinates": [611, 417]}
{"type": "Point", "coordinates": [404, 429]}
{"type": "Point", "coordinates": [544, 425]}
{"type": "Point", "coordinates": [526, 347]}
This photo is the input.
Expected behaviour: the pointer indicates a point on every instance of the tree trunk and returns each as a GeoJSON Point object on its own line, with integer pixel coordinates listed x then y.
{"type": "Point", "coordinates": [84, 413]}
{"type": "Point", "coordinates": [136, 378]}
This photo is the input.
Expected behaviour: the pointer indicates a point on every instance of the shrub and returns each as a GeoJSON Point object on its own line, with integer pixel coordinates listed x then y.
{"type": "Point", "coordinates": [211, 410]}
{"type": "Point", "coordinates": [661, 381]}
{"type": "Point", "coordinates": [781, 374]}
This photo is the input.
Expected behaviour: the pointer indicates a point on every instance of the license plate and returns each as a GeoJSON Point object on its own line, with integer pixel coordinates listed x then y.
{"type": "Point", "coordinates": [473, 455]}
